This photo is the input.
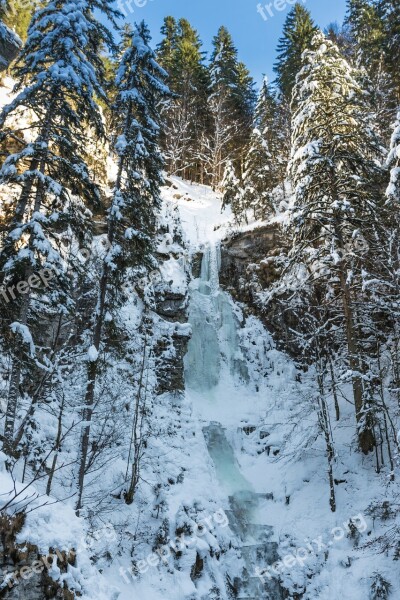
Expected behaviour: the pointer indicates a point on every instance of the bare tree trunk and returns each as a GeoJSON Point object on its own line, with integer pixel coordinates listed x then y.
{"type": "Point", "coordinates": [334, 389]}
{"type": "Point", "coordinates": [57, 448]}
{"type": "Point", "coordinates": [92, 369]}
{"type": "Point", "coordinates": [136, 436]}
{"type": "Point", "coordinates": [365, 433]}
{"type": "Point", "coordinates": [325, 425]}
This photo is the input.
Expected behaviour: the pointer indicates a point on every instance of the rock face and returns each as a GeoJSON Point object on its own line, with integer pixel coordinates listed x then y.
{"type": "Point", "coordinates": [250, 264]}
{"type": "Point", "coordinates": [10, 45]}
{"type": "Point", "coordinates": [24, 572]}
{"type": "Point", "coordinates": [247, 261]}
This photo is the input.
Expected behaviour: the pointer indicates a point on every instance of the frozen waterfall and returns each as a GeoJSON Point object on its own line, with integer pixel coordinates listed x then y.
{"type": "Point", "coordinates": [215, 356]}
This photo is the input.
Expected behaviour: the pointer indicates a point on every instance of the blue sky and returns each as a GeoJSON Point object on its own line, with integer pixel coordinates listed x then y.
{"type": "Point", "coordinates": [255, 38]}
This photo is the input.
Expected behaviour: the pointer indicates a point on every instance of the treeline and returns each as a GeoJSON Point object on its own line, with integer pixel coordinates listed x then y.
{"type": "Point", "coordinates": [209, 118]}
{"type": "Point", "coordinates": [218, 133]}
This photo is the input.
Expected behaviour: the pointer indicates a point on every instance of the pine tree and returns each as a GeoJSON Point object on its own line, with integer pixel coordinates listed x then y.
{"type": "Point", "coordinates": [266, 162]}
{"type": "Point", "coordinates": [48, 175]}
{"type": "Point", "coordinates": [337, 181]}
{"type": "Point", "coordinates": [233, 193]}
{"type": "Point", "coordinates": [366, 27]}
{"type": "Point", "coordinates": [136, 201]}
{"type": "Point", "coordinates": [389, 11]}
{"type": "Point", "coordinates": [393, 191]}
{"type": "Point", "coordinates": [246, 102]}
{"type": "Point", "coordinates": [166, 49]}
{"type": "Point", "coordinates": [231, 104]}
{"type": "Point", "coordinates": [180, 54]}
{"type": "Point", "coordinates": [298, 32]}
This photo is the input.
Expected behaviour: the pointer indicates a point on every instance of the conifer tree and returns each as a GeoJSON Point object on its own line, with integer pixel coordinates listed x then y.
{"type": "Point", "coordinates": [266, 162]}
{"type": "Point", "coordinates": [57, 82]}
{"type": "Point", "coordinates": [233, 193]}
{"type": "Point", "coordinates": [298, 32]}
{"type": "Point", "coordinates": [180, 54]}
{"type": "Point", "coordinates": [136, 200]}
{"type": "Point", "coordinates": [366, 27]}
{"type": "Point", "coordinates": [231, 104]}
{"type": "Point", "coordinates": [337, 178]}
{"type": "Point", "coordinates": [389, 11]}
{"type": "Point", "coordinates": [393, 191]}
{"type": "Point", "coordinates": [166, 49]}
{"type": "Point", "coordinates": [17, 14]}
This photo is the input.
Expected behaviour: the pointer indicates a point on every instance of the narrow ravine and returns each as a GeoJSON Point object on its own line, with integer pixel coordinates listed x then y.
{"type": "Point", "coordinates": [214, 355]}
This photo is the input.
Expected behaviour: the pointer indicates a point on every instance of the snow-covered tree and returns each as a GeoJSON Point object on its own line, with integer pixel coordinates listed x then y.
{"type": "Point", "coordinates": [231, 105]}
{"type": "Point", "coordinates": [265, 165]}
{"type": "Point", "coordinates": [389, 11]}
{"type": "Point", "coordinates": [336, 176]}
{"type": "Point", "coordinates": [186, 114]}
{"type": "Point", "coordinates": [135, 203]}
{"type": "Point", "coordinates": [59, 78]}
{"type": "Point", "coordinates": [393, 191]}
{"type": "Point", "coordinates": [297, 34]}
{"type": "Point", "coordinates": [366, 28]}
{"type": "Point", "coordinates": [233, 192]}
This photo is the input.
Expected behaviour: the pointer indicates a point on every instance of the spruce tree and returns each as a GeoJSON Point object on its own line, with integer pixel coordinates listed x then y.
{"type": "Point", "coordinates": [366, 28]}
{"type": "Point", "coordinates": [246, 102]}
{"type": "Point", "coordinates": [231, 104]}
{"type": "Point", "coordinates": [47, 175]}
{"type": "Point", "coordinates": [233, 193]}
{"type": "Point", "coordinates": [393, 191]}
{"type": "Point", "coordinates": [336, 178]}
{"type": "Point", "coordinates": [166, 49]}
{"type": "Point", "coordinates": [266, 162]}
{"type": "Point", "coordinates": [389, 11]}
{"type": "Point", "coordinates": [136, 200]}
{"type": "Point", "coordinates": [180, 54]}
{"type": "Point", "coordinates": [298, 32]}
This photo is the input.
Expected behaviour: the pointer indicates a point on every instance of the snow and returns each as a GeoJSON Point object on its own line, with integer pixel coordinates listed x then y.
{"type": "Point", "coordinates": [173, 273]}
{"type": "Point", "coordinates": [92, 354]}
{"type": "Point", "coordinates": [26, 336]}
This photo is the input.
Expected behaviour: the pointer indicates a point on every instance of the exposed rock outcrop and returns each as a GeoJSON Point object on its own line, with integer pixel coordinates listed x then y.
{"type": "Point", "coordinates": [25, 573]}
{"type": "Point", "coordinates": [250, 263]}
{"type": "Point", "coordinates": [10, 45]}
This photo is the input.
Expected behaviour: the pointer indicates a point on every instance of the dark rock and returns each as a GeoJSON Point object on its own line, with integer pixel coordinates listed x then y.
{"type": "Point", "coordinates": [172, 306]}
{"type": "Point", "coordinates": [250, 263]}
{"type": "Point", "coordinates": [10, 45]}
{"type": "Point", "coordinates": [197, 259]}
{"type": "Point", "coordinates": [170, 353]}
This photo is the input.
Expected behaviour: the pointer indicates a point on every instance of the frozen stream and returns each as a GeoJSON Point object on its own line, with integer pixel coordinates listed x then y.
{"type": "Point", "coordinates": [214, 355]}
